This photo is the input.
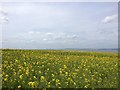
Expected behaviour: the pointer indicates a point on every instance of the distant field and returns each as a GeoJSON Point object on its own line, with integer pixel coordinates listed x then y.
{"type": "Point", "coordinates": [59, 69]}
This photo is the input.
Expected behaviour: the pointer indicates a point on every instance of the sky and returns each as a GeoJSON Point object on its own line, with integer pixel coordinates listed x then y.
{"type": "Point", "coordinates": [59, 0]}
{"type": "Point", "coordinates": [55, 25]}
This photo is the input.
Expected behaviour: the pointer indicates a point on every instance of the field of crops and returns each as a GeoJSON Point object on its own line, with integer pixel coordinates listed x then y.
{"type": "Point", "coordinates": [59, 69]}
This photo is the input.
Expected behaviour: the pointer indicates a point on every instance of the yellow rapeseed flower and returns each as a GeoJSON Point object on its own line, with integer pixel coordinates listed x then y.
{"type": "Point", "coordinates": [66, 73]}
{"type": "Point", "coordinates": [34, 77]}
{"type": "Point", "coordinates": [21, 76]}
{"type": "Point", "coordinates": [60, 72]}
{"type": "Point", "coordinates": [57, 81]}
{"type": "Point", "coordinates": [42, 78]}
{"type": "Point", "coordinates": [5, 79]}
{"type": "Point", "coordinates": [53, 75]}
{"type": "Point", "coordinates": [65, 66]}
{"type": "Point", "coordinates": [6, 75]}
{"type": "Point", "coordinates": [32, 84]}
{"type": "Point", "coordinates": [19, 86]}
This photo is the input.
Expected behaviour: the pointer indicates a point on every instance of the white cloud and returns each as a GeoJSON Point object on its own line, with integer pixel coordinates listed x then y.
{"type": "Point", "coordinates": [49, 34]}
{"type": "Point", "coordinates": [109, 19]}
{"type": "Point", "coordinates": [3, 11]}
{"type": "Point", "coordinates": [44, 39]}
{"type": "Point", "coordinates": [3, 16]}
{"type": "Point", "coordinates": [60, 36]}
{"type": "Point", "coordinates": [3, 19]}
{"type": "Point", "coordinates": [47, 37]}
{"type": "Point", "coordinates": [31, 32]}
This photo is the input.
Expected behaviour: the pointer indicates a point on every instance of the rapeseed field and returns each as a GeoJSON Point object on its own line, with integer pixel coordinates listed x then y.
{"type": "Point", "coordinates": [59, 69]}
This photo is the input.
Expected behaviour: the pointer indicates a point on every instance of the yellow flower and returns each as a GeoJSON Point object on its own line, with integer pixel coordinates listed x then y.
{"type": "Point", "coordinates": [76, 70]}
{"type": "Point", "coordinates": [57, 81]}
{"type": "Point", "coordinates": [19, 86]}
{"type": "Point", "coordinates": [74, 83]}
{"type": "Point", "coordinates": [32, 84]}
{"type": "Point", "coordinates": [60, 72]}
{"type": "Point", "coordinates": [53, 75]}
{"type": "Point", "coordinates": [83, 74]}
{"type": "Point", "coordinates": [5, 79]}
{"type": "Point", "coordinates": [66, 73]}
{"type": "Point", "coordinates": [65, 66]}
{"type": "Point", "coordinates": [53, 79]}
{"type": "Point", "coordinates": [6, 75]}
{"type": "Point", "coordinates": [48, 82]}
{"type": "Point", "coordinates": [29, 83]}
{"type": "Point", "coordinates": [48, 69]}
{"type": "Point", "coordinates": [42, 78]}
{"type": "Point", "coordinates": [16, 60]}
{"type": "Point", "coordinates": [21, 76]}
{"type": "Point", "coordinates": [34, 77]}
{"type": "Point", "coordinates": [85, 86]}
{"type": "Point", "coordinates": [25, 63]}
{"type": "Point", "coordinates": [40, 72]}
{"type": "Point", "coordinates": [69, 78]}
{"type": "Point", "coordinates": [86, 80]}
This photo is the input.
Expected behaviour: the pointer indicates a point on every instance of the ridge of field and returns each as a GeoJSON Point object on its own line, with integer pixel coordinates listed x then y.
{"type": "Point", "coordinates": [59, 69]}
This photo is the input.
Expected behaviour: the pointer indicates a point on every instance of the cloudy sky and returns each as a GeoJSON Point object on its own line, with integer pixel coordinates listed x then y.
{"type": "Point", "coordinates": [39, 25]}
